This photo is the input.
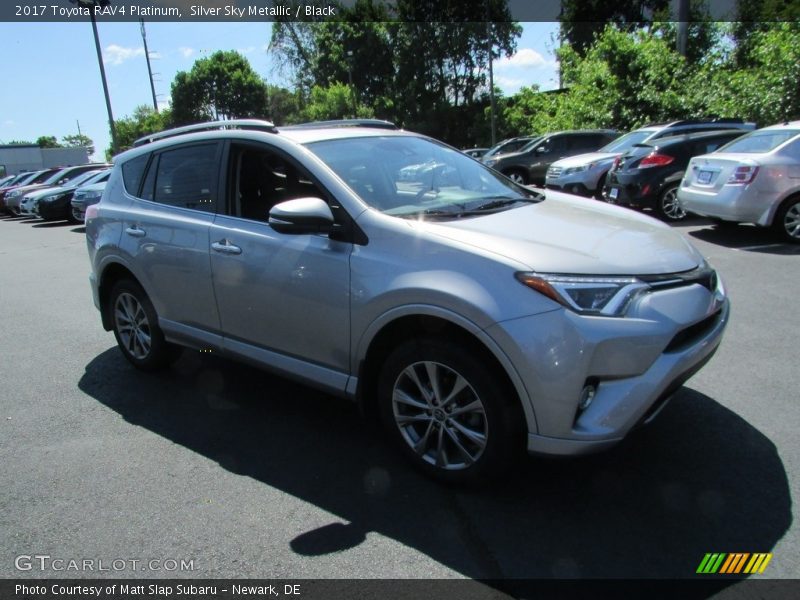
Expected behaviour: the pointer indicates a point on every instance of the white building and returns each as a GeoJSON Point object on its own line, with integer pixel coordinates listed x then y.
{"type": "Point", "coordinates": [15, 159]}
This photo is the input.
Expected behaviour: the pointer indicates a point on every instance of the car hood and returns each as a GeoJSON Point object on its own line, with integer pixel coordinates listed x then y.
{"type": "Point", "coordinates": [47, 191]}
{"type": "Point", "coordinates": [95, 187]}
{"type": "Point", "coordinates": [564, 234]}
{"type": "Point", "coordinates": [584, 159]}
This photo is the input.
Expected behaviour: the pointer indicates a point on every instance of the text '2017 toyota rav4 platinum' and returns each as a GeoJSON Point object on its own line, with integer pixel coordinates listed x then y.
{"type": "Point", "coordinates": [477, 317]}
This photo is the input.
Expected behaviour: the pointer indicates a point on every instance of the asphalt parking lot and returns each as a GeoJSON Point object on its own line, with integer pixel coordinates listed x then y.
{"type": "Point", "coordinates": [248, 475]}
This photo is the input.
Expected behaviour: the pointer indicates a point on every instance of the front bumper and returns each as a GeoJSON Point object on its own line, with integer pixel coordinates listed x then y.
{"type": "Point", "coordinates": [636, 364]}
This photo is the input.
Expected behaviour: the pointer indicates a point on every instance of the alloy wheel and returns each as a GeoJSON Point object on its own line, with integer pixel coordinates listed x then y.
{"type": "Point", "coordinates": [132, 325]}
{"type": "Point", "coordinates": [791, 222]}
{"type": "Point", "coordinates": [439, 415]}
{"type": "Point", "coordinates": [670, 207]}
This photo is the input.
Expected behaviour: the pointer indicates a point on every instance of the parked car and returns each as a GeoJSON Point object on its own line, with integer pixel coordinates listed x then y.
{"type": "Point", "coordinates": [55, 204]}
{"type": "Point", "coordinates": [648, 175]}
{"type": "Point", "coordinates": [474, 316]}
{"type": "Point", "coordinates": [753, 179]}
{"type": "Point", "coordinates": [506, 146]}
{"type": "Point", "coordinates": [585, 174]}
{"type": "Point", "coordinates": [24, 180]}
{"type": "Point", "coordinates": [529, 164]}
{"type": "Point", "coordinates": [59, 178]}
{"type": "Point", "coordinates": [6, 179]}
{"type": "Point", "coordinates": [28, 205]}
{"type": "Point", "coordinates": [85, 196]}
{"type": "Point", "coordinates": [475, 152]}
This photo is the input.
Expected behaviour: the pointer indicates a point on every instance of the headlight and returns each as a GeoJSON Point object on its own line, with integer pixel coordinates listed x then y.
{"type": "Point", "coordinates": [587, 294]}
{"type": "Point", "coordinates": [52, 198]}
{"type": "Point", "coordinates": [491, 162]}
{"type": "Point", "coordinates": [13, 194]}
{"type": "Point", "coordinates": [92, 195]}
{"type": "Point", "coordinates": [571, 170]}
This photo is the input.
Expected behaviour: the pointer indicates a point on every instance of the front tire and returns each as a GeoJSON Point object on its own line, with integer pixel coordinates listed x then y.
{"type": "Point", "coordinates": [135, 325]}
{"type": "Point", "coordinates": [448, 412]}
{"type": "Point", "coordinates": [787, 221]}
{"type": "Point", "coordinates": [518, 177]}
{"type": "Point", "coordinates": [668, 206]}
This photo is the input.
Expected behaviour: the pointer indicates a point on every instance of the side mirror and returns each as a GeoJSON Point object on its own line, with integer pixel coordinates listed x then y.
{"type": "Point", "coordinates": [541, 149]}
{"type": "Point", "coordinates": [303, 215]}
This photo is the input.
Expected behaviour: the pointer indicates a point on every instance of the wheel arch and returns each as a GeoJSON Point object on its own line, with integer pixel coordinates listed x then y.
{"type": "Point", "coordinates": [411, 322]}
{"type": "Point", "coordinates": [110, 275]}
{"type": "Point", "coordinates": [778, 206]}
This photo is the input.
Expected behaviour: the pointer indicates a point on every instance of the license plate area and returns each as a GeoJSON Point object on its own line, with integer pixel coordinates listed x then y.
{"type": "Point", "coordinates": [704, 177]}
{"type": "Point", "coordinates": [613, 193]}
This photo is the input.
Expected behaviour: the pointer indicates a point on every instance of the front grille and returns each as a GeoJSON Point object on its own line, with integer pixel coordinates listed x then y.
{"type": "Point", "coordinates": [554, 172]}
{"type": "Point", "coordinates": [688, 336]}
{"type": "Point", "coordinates": [705, 276]}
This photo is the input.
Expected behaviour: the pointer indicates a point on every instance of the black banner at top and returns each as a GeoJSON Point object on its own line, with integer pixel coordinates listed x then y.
{"type": "Point", "coordinates": [412, 10]}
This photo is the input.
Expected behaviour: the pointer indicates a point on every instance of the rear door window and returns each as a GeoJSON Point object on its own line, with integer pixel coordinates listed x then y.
{"type": "Point", "coordinates": [132, 172]}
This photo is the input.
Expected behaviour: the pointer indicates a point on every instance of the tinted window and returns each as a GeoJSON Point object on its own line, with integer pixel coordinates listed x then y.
{"type": "Point", "coordinates": [186, 177]}
{"type": "Point", "coordinates": [626, 142]}
{"type": "Point", "coordinates": [132, 172]}
{"type": "Point", "coordinates": [264, 178]}
{"type": "Point", "coordinates": [760, 141]}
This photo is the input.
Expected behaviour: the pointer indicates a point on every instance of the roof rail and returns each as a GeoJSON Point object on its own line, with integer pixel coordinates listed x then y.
{"type": "Point", "coordinates": [374, 123]}
{"type": "Point", "coordinates": [255, 124]}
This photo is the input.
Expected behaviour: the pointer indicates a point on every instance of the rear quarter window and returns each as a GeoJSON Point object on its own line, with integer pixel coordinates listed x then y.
{"type": "Point", "coordinates": [132, 172]}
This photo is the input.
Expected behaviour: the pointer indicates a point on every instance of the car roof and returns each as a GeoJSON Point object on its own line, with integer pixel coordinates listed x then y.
{"type": "Point", "coordinates": [689, 137]}
{"type": "Point", "coordinates": [250, 129]}
{"type": "Point", "coordinates": [784, 125]}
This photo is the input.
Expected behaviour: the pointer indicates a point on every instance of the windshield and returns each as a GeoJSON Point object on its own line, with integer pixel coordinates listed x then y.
{"type": "Point", "coordinates": [83, 178]}
{"type": "Point", "coordinates": [507, 146]}
{"type": "Point", "coordinates": [414, 177]}
{"type": "Point", "coordinates": [759, 142]}
{"type": "Point", "coordinates": [626, 142]}
{"type": "Point", "coordinates": [531, 145]}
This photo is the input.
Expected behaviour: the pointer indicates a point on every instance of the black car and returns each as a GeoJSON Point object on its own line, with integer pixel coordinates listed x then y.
{"type": "Point", "coordinates": [56, 204]}
{"type": "Point", "coordinates": [648, 175]}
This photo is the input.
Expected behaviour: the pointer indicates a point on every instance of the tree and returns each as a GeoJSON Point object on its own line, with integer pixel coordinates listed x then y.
{"type": "Point", "coordinates": [222, 86]}
{"type": "Point", "coordinates": [283, 106]}
{"type": "Point", "coordinates": [48, 141]}
{"type": "Point", "coordinates": [143, 121]}
{"type": "Point", "coordinates": [423, 65]}
{"type": "Point", "coordinates": [334, 102]}
{"type": "Point", "coordinates": [79, 141]}
{"type": "Point", "coordinates": [584, 20]}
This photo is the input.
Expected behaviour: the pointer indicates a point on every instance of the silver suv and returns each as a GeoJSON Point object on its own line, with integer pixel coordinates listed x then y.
{"type": "Point", "coordinates": [474, 316]}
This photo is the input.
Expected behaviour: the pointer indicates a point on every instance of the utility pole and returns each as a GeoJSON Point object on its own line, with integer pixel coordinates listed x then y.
{"type": "Point", "coordinates": [91, 4]}
{"type": "Point", "coordinates": [149, 70]}
{"type": "Point", "coordinates": [350, 78]}
{"type": "Point", "coordinates": [683, 26]}
{"type": "Point", "coordinates": [492, 107]}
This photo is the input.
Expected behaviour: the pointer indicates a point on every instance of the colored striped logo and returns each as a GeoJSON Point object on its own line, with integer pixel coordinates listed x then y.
{"type": "Point", "coordinates": [734, 563]}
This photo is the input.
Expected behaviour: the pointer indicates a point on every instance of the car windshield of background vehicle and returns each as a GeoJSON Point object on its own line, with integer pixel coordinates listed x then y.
{"type": "Point", "coordinates": [83, 178]}
{"type": "Point", "coordinates": [530, 145]}
{"type": "Point", "coordinates": [416, 178]}
{"type": "Point", "coordinates": [760, 141]}
{"type": "Point", "coordinates": [626, 142]}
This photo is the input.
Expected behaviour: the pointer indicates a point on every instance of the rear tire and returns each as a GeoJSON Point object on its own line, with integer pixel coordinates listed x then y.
{"type": "Point", "coordinates": [787, 221]}
{"type": "Point", "coordinates": [135, 325]}
{"type": "Point", "coordinates": [448, 413]}
{"type": "Point", "coordinates": [668, 207]}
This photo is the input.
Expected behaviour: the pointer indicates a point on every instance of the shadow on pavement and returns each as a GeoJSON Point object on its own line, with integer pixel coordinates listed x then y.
{"type": "Point", "coordinates": [51, 224]}
{"type": "Point", "coordinates": [699, 479]}
{"type": "Point", "coordinates": [81, 229]}
{"type": "Point", "coordinates": [745, 237]}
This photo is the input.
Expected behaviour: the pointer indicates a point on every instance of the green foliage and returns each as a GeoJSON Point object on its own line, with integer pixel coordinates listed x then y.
{"type": "Point", "coordinates": [337, 101]}
{"type": "Point", "coordinates": [20, 143]}
{"type": "Point", "coordinates": [78, 141]}
{"type": "Point", "coordinates": [423, 65]}
{"type": "Point", "coordinates": [48, 141]}
{"type": "Point", "coordinates": [283, 106]}
{"type": "Point", "coordinates": [766, 88]}
{"type": "Point", "coordinates": [222, 86]}
{"type": "Point", "coordinates": [143, 121]}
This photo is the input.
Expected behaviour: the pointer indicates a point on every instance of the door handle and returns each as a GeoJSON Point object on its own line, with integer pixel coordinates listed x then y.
{"type": "Point", "coordinates": [226, 247]}
{"type": "Point", "coordinates": [135, 231]}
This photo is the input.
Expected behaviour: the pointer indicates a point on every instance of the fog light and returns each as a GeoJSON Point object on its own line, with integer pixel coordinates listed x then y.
{"type": "Point", "coordinates": [586, 397]}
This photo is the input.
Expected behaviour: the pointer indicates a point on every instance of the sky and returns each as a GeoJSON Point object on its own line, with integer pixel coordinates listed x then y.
{"type": "Point", "coordinates": [51, 80]}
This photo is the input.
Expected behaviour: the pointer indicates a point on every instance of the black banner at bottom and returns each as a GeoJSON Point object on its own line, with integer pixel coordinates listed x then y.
{"type": "Point", "coordinates": [401, 589]}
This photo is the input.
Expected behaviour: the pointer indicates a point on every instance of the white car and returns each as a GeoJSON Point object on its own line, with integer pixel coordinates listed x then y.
{"type": "Point", "coordinates": [753, 179]}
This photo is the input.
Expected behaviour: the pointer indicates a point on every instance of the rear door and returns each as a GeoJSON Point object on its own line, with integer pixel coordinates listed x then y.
{"type": "Point", "coordinates": [165, 232]}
